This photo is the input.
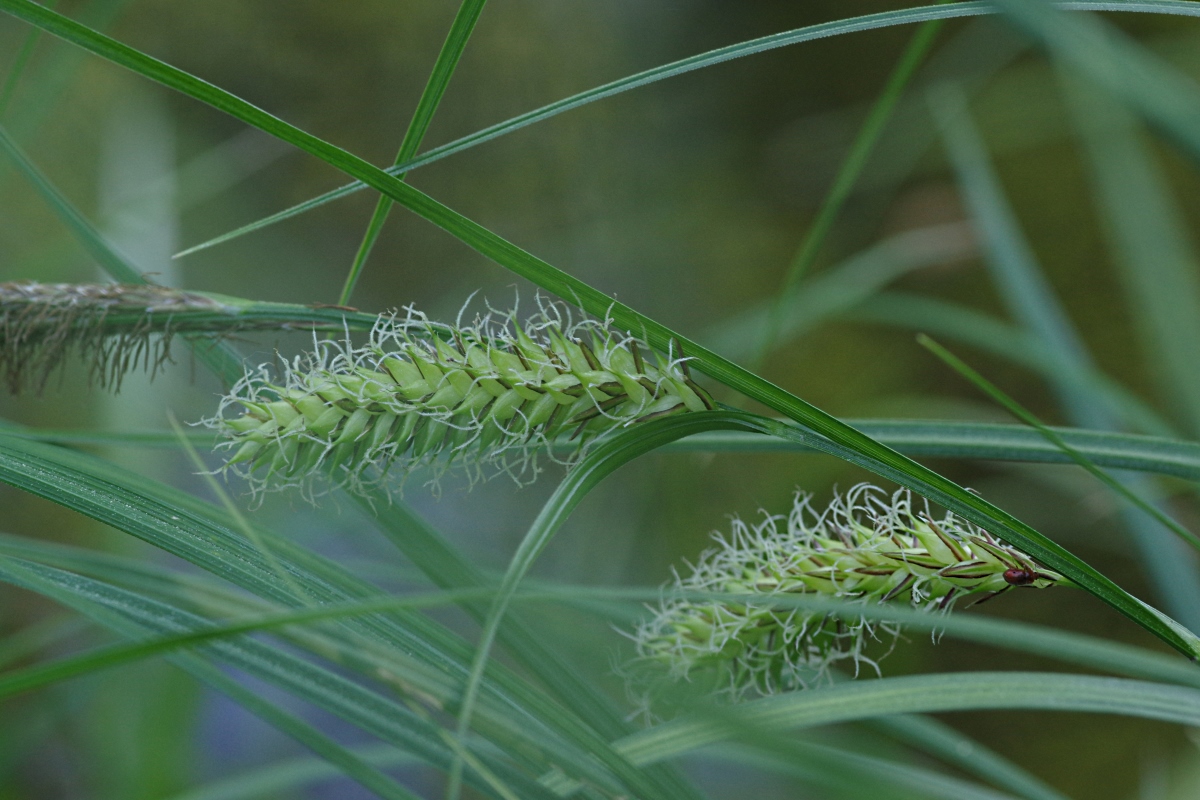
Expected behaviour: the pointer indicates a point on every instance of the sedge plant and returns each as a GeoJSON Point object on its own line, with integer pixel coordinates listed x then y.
{"type": "Point", "coordinates": [781, 625]}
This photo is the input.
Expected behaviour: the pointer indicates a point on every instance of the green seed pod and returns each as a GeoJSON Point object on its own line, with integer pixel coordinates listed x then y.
{"type": "Point", "coordinates": [866, 547]}
{"type": "Point", "coordinates": [490, 394]}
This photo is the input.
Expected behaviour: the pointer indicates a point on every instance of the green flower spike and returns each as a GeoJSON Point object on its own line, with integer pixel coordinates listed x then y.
{"type": "Point", "coordinates": [491, 394]}
{"type": "Point", "coordinates": [866, 547]}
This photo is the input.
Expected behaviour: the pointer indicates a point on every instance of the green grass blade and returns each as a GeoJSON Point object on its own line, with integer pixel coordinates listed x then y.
{"type": "Point", "coordinates": [1028, 418]}
{"type": "Point", "coordinates": [373, 711]}
{"type": "Point", "coordinates": [1030, 299]}
{"type": "Point", "coordinates": [283, 776]}
{"type": "Point", "coordinates": [989, 334]}
{"type": "Point", "coordinates": [852, 166]}
{"type": "Point", "coordinates": [841, 288]}
{"type": "Point", "coordinates": [857, 447]}
{"type": "Point", "coordinates": [942, 741]}
{"type": "Point", "coordinates": [1165, 97]}
{"type": "Point", "coordinates": [41, 675]}
{"type": "Point", "coordinates": [1151, 246]}
{"type": "Point", "coordinates": [614, 452]}
{"type": "Point", "coordinates": [974, 691]}
{"type": "Point", "coordinates": [854, 775]}
{"type": "Point", "coordinates": [124, 613]}
{"type": "Point", "coordinates": [983, 440]}
{"type": "Point", "coordinates": [946, 439]}
{"type": "Point", "coordinates": [601, 460]}
{"type": "Point", "coordinates": [690, 64]}
{"type": "Point", "coordinates": [622, 605]}
{"type": "Point", "coordinates": [18, 66]}
{"type": "Point", "coordinates": [206, 537]}
{"type": "Point", "coordinates": [203, 535]}
{"type": "Point", "coordinates": [447, 568]}
{"type": "Point", "coordinates": [370, 710]}
{"type": "Point", "coordinates": [431, 96]}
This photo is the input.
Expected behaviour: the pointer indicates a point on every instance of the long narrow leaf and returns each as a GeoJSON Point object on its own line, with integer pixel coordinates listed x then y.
{"type": "Point", "coordinates": [1028, 418]}
{"type": "Point", "coordinates": [973, 691]}
{"type": "Point", "coordinates": [690, 64]}
{"type": "Point", "coordinates": [1030, 299]}
{"type": "Point", "coordinates": [859, 448]}
{"type": "Point", "coordinates": [1165, 97]}
{"type": "Point", "coordinates": [435, 87]}
{"type": "Point", "coordinates": [188, 528]}
{"type": "Point", "coordinates": [987, 333]}
{"type": "Point", "coordinates": [107, 605]}
{"type": "Point", "coordinates": [942, 438]}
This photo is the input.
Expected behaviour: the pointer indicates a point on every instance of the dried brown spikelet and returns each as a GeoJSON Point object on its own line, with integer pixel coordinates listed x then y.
{"type": "Point", "coordinates": [42, 324]}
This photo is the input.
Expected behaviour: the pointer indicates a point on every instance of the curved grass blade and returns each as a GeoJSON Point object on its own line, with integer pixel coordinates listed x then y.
{"type": "Point", "coordinates": [945, 439]}
{"type": "Point", "coordinates": [607, 456]}
{"type": "Point", "coordinates": [601, 460]}
{"type": "Point", "coordinates": [989, 334]}
{"type": "Point", "coordinates": [18, 66]}
{"type": "Point", "coordinates": [105, 604]}
{"type": "Point", "coordinates": [291, 775]}
{"type": "Point", "coordinates": [197, 532]}
{"type": "Point", "coordinates": [972, 691]}
{"type": "Point", "coordinates": [1062, 645]}
{"type": "Point", "coordinates": [1030, 300]}
{"type": "Point", "coordinates": [979, 440]}
{"type": "Point", "coordinates": [370, 710]}
{"type": "Point", "coordinates": [41, 675]}
{"type": "Point", "coordinates": [447, 568]}
{"type": "Point", "coordinates": [945, 743]}
{"type": "Point", "coordinates": [842, 288]}
{"type": "Point", "coordinates": [690, 64]}
{"type": "Point", "coordinates": [858, 448]}
{"type": "Point", "coordinates": [1028, 418]}
{"type": "Point", "coordinates": [851, 775]}
{"type": "Point", "coordinates": [431, 96]}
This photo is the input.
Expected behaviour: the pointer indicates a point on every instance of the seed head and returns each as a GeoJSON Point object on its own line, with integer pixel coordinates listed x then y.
{"type": "Point", "coordinates": [41, 324]}
{"type": "Point", "coordinates": [866, 547]}
{"type": "Point", "coordinates": [492, 393]}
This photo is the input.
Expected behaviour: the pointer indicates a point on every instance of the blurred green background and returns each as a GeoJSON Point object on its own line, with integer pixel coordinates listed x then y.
{"type": "Point", "coordinates": [686, 199]}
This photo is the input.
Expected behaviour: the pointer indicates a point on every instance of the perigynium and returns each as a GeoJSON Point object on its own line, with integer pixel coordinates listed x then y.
{"type": "Point", "coordinates": [491, 394]}
{"type": "Point", "coordinates": [865, 547]}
